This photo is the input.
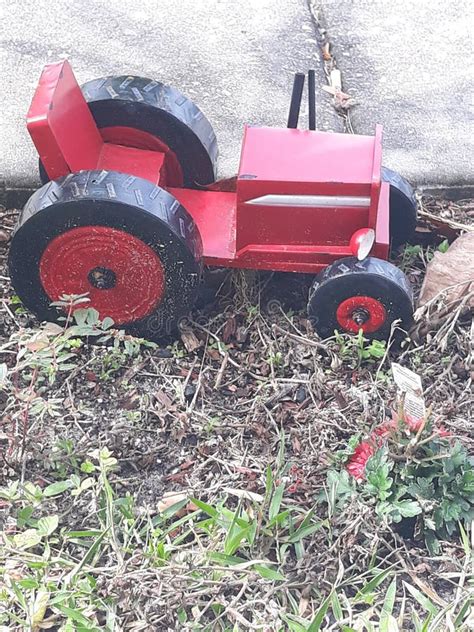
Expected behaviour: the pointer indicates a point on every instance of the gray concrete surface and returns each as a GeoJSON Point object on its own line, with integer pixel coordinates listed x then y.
{"type": "Point", "coordinates": [235, 58]}
{"type": "Point", "coordinates": [410, 66]}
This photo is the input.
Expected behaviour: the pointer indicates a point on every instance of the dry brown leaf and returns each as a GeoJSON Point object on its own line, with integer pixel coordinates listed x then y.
{"type": "Point", "coordinates": [229, 329]}
{"type": "Point", "coordinates": [335, 91]}
{"type": "Point", "coordinates": [303, 606]}
{"type": "Point", "coordinates": [37, 344]}
{"type": "Point", "coordinates": [163, 399]}
{"type": "Point", "coordinates": [190, 340]}
{"type": "Point", "coordinates": [173, 498]}
{"type": "Point", "coordinates": [244, 493]}
{"type": "Point", "coordinates": [53, 329]}
{"type": "Point", "coordinates": [326, 54]}
{"type": "Point", "coordinates": [453, 269]}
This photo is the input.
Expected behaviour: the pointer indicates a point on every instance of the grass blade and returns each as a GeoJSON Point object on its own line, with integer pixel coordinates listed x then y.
{"type": "Point", "coordinates": [422, 599]}
{"type": "Point", "coordinates": [315, 624]}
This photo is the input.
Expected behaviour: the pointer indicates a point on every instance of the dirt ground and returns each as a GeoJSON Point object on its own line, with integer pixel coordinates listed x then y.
{"type": "Point", "coordinates": [246, 393]}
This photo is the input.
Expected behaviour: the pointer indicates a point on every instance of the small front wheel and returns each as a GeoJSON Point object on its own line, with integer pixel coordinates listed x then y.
{"type": "Point", "coordinates": [352, 295]}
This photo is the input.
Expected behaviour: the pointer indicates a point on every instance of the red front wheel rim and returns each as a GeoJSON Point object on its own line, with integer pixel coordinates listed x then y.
{"type": "Point", "coordinates": [122, 275]}
{"type": "Point", "coordinates": [361, 312]}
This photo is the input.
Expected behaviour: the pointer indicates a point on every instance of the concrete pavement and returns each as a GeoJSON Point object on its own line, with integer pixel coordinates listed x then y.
{"type": "Point", "coordinates": [410, 66]}
{"type": "Point", "coordinates": [234, 58]}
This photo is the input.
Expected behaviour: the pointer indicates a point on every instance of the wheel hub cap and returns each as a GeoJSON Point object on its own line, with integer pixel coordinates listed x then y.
{"type": "Point", "coordinates": [122, 275]}
{"type": "Point", "coordinates": [361, 312]}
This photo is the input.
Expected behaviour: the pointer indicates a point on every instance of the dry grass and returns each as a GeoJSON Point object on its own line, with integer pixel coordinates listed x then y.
{"type": "Point", "coordinates": [243, 415]}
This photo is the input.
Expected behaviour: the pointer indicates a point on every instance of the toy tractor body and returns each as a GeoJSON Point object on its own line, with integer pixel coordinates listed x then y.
{"type": "Point", "coordinates": [129, 212]}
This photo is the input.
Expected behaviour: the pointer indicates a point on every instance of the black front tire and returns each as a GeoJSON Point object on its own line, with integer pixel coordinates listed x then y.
{"type": "Point", "coordinates": [370, 282]}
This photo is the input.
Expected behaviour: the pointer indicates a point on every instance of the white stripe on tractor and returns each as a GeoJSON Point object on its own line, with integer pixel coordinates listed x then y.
{"type": "Point", "coordinates": [311, 200]}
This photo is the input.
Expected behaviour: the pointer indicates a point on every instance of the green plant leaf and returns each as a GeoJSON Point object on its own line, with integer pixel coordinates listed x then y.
{"type": "Point", "coordinates": [76, 616]}
{"type": "Point", "coordinates": [226, 560]}
{"type": "Point", "coordinates": [268, 573]}
{"type": "Point", "coordinates": [422, 599]}
{"type": "Point", "coordinates": [27, 539]}
{"type": "Point", "coordinates": [107, 323]}
{"type": "Point", "coordinates": [57, 488]}
{"type": "Point", "coordinates": [408, 508]}
{"type": "Point", "coordinates": [276, 501]}
{"type": "Point", "coordinates": [315, 624]}
{"type": "Point", "coordinates": [303, 532]}
{"type": "Point", "coordinates": [47, 525]}
{"type": "Point", "coordinates": [336, 607]}
{"type": "Point", "coordinates": [371, 585]}
{"type": "Point", "coordinates": [387, 622]}
{"type": "Point", "coordinates": [87, 467]}
{"type": "Point", "coordinates": [235, 536]}
{"type": "Point", "coordinates": [432, 543]}
{"type": "Point", "coordinates": [39, 607]}
{"type": "Point", "coordinates": [208, 509]}
{"type": "Point", "coordinates": [461, 616]}
{"type": "Point", "coordinates": [82, 534]}
{"type": "Point", "coordinates": [443, 246]}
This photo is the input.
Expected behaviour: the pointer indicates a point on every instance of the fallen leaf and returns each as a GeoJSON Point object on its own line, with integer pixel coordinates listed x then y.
{"type": "Point", "coordinates": [163, 399]}
{"type": "Point", "coordinates": [335, 80]}
{"type": "Point", "coordinates": [52, 329]}
{"type": "Point", "coordinates": [326, 53]}
{"type": "Point", "coordinates": [37, 344]}
{"type": "Point", "coordinates": [244, 493]}
{"type": "Point", "coordinates": [455, 267]}
{"type": "Point", "coordinates": [190, 340]}
{"type": "Point", "coordinates": [173, 498]}
{"type": "Point", "coordinates": [296, 444]}
{"type": "Point", "coordinates": [303, 606]}
{"type": "Point", "coordinates": [229, 329]}
{"type": "Point", "coordinates": [225, 184]}
{"type": "Point", "coordinates": [187, 464]}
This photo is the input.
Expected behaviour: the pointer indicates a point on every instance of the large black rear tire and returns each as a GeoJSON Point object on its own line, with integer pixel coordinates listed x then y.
{"type": "Point", "coordinates": [403, 208]}
{"type": "Point", "coordinates": [156, 111]}
{"type": "Point", "coordinates": [129, 244]}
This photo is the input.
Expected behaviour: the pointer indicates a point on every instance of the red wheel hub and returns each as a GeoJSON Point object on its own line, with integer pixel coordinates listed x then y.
{"type": "Point", "coordinates": [361, 312]}
{"type": "Point", "coordinates": [130, 137]}
{"type": "Point", "coordinates": [123, 276]}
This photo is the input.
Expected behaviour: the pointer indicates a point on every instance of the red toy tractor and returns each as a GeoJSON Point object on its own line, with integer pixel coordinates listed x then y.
{"type": "Point", "coordinates": [129, 211]}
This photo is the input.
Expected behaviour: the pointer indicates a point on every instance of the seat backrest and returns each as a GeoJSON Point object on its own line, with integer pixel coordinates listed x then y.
{"type": "Point", "coordinates": [61, 125]}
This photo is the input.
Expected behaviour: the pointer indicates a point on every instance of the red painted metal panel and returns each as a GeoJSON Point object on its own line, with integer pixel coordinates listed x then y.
{"type": "Point", "coordinates": [300, 162]}
{"type": "Point", "coordinates": [289, 258]}
{"type": "Point", "coordinates": [376, 176]}
{"type": "Point", "coordinates": [214, 214]}
{"type": "Point", "coordinates": [259, 224]}
{"type": "Point", "coordinates": [61, 125]}
{"type": "Point", "coordinates": [136, 162]}
{"type": "Point", "coordinates": [297, 156]}
{"type": "Point", "coordinates": [293, 238]}
{"type": "Point", "coordinates": [381, 247]}
{"type": "Point", "coordinates": [171, 173]}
